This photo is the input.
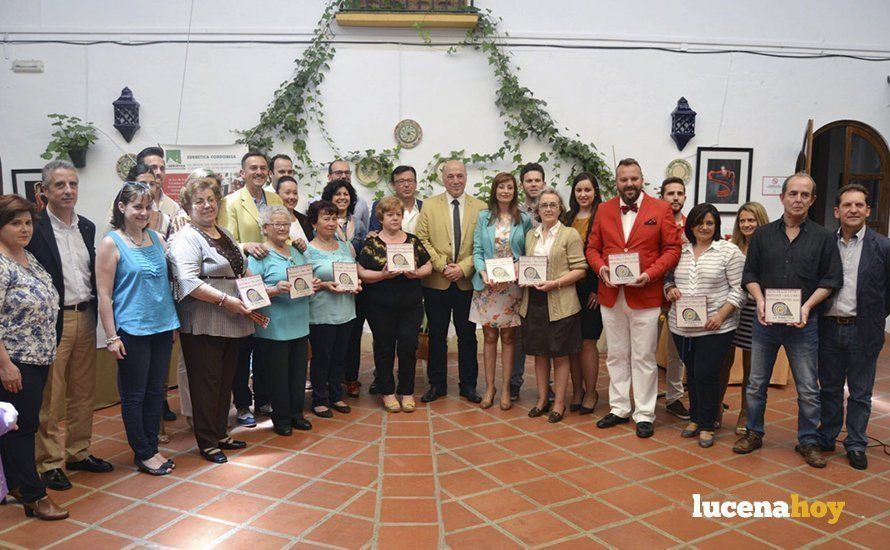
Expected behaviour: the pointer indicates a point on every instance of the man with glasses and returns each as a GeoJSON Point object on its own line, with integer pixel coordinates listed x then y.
{"type": "Point", "coordinates": [795, 253]}
{"type": "Point", "coordinates": [632, 223]}
{"type": "Point", "coordinates": [403, 181]}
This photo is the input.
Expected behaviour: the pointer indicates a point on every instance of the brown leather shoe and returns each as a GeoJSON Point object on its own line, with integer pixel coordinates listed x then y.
{"type": "Point", "coordinates": [812, 455]}
{"type": "Point", "coordinates": [749, 442]}
{"type": "Point", "coordinates": [45, 509]}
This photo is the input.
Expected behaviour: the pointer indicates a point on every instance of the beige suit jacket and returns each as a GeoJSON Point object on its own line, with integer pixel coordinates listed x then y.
{"type": "Point", "coordinates": [434, 231]}
{"type": "Point", "coordinates": [239, 215]}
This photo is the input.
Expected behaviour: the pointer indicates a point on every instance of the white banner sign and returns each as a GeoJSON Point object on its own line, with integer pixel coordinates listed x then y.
{"type": "Point", "coordinates": [182, 160]}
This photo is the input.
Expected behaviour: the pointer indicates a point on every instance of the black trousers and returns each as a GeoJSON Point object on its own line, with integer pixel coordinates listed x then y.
{"type": "Point", "coordinates": [396, 328]}
{"type": "Point", "coordinates": [285, 363]}
{"type": "Point", "coordinates": [210, 363]}
{"type": "Point", "coordinates": [329, 344]}
{"type": "Point", "coordinates": [17, 447]}
{"type": "Point", "coordinates": [354, 351]}
{"type": "Point", "coordinates": [703, 357]}
{"type": "Point", "coordinates": [141, 375]}
{"type": "Point", "coordinates": [442, 307]}
{"type": "Point", "coordinates": [249, 356]}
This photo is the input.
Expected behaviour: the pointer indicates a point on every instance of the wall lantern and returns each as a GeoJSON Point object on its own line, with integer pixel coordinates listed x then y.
{"type": "Point", "coordinates": [682, 123]}
{"type": "Point", "coordinates": [126, 114]}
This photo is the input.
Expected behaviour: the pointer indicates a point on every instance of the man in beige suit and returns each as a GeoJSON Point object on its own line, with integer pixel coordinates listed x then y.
{"type": "Point", "coordinates": [445, 228]}
{"type": "Point", "coordinates": [239, 213]}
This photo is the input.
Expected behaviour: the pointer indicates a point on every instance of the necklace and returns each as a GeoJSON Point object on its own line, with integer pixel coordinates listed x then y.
{"type": "Point", "coordinates": [134, 243]}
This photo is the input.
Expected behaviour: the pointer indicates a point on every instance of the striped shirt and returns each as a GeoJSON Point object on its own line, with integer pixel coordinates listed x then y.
{"type": "Point", "coordinates": [716, 274]}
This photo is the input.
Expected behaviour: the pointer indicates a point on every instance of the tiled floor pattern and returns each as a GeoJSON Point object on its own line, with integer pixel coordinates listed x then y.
{"type": "Point", "coordinates": [452, 475]}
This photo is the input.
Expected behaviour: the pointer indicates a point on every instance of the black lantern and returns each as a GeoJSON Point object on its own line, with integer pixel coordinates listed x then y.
{"type": "Point", "coordinates": [126, 114]}
{"type": "Point", "coordinates": [682, 123]}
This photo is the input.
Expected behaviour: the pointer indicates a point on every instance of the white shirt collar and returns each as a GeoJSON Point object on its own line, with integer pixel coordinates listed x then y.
{"type": "Point", "coordinates": [539, 230]}
{"type": "Point", "coordinates": [858, 235]}
{"type": "Point", "coordinates": [57, 221]}
{"type": "Point", "coordinates": [461, 199]}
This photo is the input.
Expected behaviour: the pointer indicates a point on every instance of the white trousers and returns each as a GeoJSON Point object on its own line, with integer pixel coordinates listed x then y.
{"type": "Point", "coordinates": [674, 368]}
{"type": "Point", "coordinates": [631, 335]}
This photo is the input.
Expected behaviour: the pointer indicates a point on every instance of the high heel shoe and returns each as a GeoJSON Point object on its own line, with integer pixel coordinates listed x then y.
{"type": "Point", "coordinates": [488, 401]}
{"type": "Point", "coordinates": [45, 509]}
{"type": "Point", "coordinates": [506, 405]}
{"type": "Point", "coordinates": [575, 407]}
{"type": "Point", "coordinates": [584, 410]}
{"type": "Point", "coordinates": [536, 412]}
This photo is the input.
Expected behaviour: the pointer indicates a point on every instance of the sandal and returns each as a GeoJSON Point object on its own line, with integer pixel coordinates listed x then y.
{"type": "Point", "coordinates": [391, 404]}
{"type": "Point", "coordinates": [408, 404]}
{"type": "Point", "coordinates": [162, 471]}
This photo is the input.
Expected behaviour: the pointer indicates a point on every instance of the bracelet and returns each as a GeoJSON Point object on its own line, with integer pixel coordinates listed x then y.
{"type": "Point", "coordinates": [112, 340]}
{"type": "Point", "coordinates": [221, 302]}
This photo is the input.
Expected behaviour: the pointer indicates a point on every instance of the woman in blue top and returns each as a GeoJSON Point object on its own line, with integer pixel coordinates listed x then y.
{"type": "Point", "coordinates": [331, 311]}
{"type": "Point", "coordinates": [500, 233]}
{"type": "Point", "coordinates": [138, 314]}
{"type": "Point", "coordinates": [284, 343]}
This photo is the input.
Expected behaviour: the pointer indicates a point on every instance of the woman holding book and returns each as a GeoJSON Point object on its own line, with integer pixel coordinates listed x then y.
{"type": "Point", "coordinates": [500, 233]}
{"type": "Point", "coordinates": [394, 300]}
{"type": "Point", "coordinates": [206, 261]}
{"type": "Point", "coordinates": [551, 312]}
{"type": "Point", "coordinates": [284, 343]}
{"type": "Point", "coordinates": [706, 288]}
{"type": "Point", "coordinates": [331, 310]}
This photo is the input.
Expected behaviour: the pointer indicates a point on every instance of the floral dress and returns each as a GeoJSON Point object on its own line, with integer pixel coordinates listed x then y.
{"type": "Point", "coordinates": [498, 308]}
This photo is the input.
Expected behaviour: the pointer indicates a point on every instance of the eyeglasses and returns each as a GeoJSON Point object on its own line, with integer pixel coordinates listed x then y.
{"type": "Point", "coordinates": [405, 182]}
{"type": "Point", "coordinates": [342, 173]}
{"type": "Point", "coordinates": [279, 225]}
{"type": "Point", "coordinates": [548, 206]}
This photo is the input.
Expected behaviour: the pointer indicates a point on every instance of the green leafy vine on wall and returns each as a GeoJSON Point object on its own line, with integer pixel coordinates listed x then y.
{"type": "Point", "coordinates": [297, 103]}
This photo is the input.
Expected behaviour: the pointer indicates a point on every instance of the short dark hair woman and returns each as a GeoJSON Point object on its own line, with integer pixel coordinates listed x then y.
{"type": "Point", "coordinates": [138, 314]}
{"type": "Point", "coordinates": [29, 305]}
{"type": "Point", "coordinates": [711, 268]}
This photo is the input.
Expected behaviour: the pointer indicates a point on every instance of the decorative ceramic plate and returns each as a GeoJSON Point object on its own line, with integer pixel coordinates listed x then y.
{"type": "Point", "coordinates": [679, 168]}
{"type": "Point", "coordinates": [123, 165]}
{"type": "Point", "coordinates": [408, 133]}
{"type": "Point", "coordinates": [368, 171]}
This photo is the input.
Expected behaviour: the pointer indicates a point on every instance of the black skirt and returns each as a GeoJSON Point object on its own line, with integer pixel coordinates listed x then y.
{"type": "Point", "coordinates": [545, 338]}
{"type": "Point", "coordinates": [591, 319]}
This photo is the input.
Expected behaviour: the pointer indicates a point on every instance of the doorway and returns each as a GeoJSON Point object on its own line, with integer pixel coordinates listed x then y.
{"type": "Point", "coordinates": [845, 152]}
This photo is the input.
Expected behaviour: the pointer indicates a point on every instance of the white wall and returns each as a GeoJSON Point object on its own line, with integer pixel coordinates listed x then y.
{"type": "Point", "coordinates": [620, 100]}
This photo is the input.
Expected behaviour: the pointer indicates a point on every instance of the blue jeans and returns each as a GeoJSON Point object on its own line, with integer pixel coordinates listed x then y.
{"type": "Point", "coordinates": [841, 358]}
{"type": "Point", "coordinates": [802, 346]}
{"type": "Point", "coordinates": [140, 379]}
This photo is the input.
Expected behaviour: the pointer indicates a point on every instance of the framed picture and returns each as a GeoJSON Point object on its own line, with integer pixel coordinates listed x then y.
{"type": "Point", "coordinates": [723, 177]}
{"type": "Point", "coordinates": [24, 181]}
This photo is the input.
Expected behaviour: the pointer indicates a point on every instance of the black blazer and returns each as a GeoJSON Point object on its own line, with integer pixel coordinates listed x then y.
{"type": "Point", "coordinates": [872, 292]}
{"type": "Point", "coordinates": [304, 223]}
{"type": "Point", "coordinates": [43, 246]}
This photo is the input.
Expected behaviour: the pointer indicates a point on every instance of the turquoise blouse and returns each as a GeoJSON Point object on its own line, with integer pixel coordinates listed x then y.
{"type": "Point", "coordinates": [289, 319]}
{"type": "Point", "coordinates": [325, 307]}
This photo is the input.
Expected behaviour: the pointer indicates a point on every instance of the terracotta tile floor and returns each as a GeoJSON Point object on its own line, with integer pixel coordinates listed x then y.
{"type": "Point", "coordinates": [454, 475]}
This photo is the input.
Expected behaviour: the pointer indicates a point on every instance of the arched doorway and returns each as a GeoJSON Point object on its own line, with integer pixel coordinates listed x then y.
{"type": "Point", "coordinates": [845, 152]}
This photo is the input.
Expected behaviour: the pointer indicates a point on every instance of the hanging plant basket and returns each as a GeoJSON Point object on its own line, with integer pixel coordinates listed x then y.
{"type": "Point", "coordinates": [78, 157]}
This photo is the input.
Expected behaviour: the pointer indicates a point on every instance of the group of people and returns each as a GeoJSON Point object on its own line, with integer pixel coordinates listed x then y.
{"type": "Point", "coordinates": [205, 243]}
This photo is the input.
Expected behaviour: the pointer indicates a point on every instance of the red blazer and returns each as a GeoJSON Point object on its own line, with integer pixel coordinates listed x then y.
{"type": "Point", "coordinates": [654, 235]}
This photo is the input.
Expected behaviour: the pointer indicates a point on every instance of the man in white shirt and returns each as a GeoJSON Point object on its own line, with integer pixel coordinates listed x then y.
{"type": "Point", "coordinates": [403, 181]}
{"type": "Point", "coordinates": [64, 244]}
{"type": "Point", "coordinates": [279, 165]}
{"type": "Point", "coordinates": [153, 157]}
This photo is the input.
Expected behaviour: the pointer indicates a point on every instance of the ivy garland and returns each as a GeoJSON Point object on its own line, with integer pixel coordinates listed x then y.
{"type": "Point", "coordinates": [297, 103]}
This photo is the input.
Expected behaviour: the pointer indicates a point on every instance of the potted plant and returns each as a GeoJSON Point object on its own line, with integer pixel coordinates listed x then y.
{"type": "Point", "coordinates": [72, 138]}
